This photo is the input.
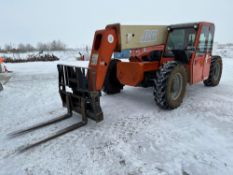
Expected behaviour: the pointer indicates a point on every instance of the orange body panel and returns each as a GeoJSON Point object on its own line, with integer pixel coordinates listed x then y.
{"type": "Point", "coordinates": [140, 52]}
{"type": "Point", "coordinates": [132, 73]}
{"type": "Point", "coordinates": [103, 47]}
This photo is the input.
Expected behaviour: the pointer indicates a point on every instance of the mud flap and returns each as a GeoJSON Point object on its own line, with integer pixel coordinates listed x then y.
{"type": "Point", "coordinates": [74, 85]}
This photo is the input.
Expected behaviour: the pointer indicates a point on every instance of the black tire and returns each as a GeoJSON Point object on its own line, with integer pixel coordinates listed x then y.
{"type": "Point", "coordinates": [166, 81]}
{"type": "Point", "coordinates": [111, 83]}
{"type": "Point", "coordinates": [215, 72]}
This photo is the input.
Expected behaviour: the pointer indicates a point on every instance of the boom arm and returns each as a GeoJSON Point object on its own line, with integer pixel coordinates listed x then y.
{"type": "Point", "coordinates": [118, 37]}
{"type": "Point", "coordinates": [105, 42]}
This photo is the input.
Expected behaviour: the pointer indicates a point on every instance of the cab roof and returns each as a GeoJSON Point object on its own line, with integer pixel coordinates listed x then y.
{"type": "Point", "coordinates": [187, 25]}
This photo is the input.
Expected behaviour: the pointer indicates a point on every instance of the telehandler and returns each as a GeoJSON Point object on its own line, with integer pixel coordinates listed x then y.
{"type": "Point", "coordinates": [164, 57]}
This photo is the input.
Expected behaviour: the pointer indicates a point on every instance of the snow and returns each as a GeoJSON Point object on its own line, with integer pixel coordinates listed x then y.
{"type": "Point", "coordinates": [136, 137]}
{"type": "Point", "coordinates": [225, 50]}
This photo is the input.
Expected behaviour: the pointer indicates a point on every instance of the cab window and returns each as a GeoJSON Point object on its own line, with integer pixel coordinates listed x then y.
{"type": "Point", "coordinates": [210, 40]}
{"type": "Point", "coordinates": [180, 39]}
{"type": "Point", "coordinates": [203, 41]}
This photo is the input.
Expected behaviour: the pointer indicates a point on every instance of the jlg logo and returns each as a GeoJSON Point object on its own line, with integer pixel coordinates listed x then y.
{"type": "Point", "coordinates": [149, 36]}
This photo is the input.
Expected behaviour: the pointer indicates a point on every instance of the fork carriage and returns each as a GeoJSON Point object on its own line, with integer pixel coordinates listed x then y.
{"type": "Point", "coordinates": [76, 94]}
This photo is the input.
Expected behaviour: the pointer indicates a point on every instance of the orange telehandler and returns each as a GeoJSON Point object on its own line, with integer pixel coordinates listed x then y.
{"type": "Point", "coordinates": [165, 57]}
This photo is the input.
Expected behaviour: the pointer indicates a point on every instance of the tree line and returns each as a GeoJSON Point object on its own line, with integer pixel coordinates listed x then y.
{"type": "Point", "coordinates": [55, 45]}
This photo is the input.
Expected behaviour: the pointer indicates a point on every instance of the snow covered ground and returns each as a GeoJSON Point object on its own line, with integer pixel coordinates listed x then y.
{"type": "Point", "coordinates": [225, 50]}
{"type": "Point", "coordinates": [136, 137]}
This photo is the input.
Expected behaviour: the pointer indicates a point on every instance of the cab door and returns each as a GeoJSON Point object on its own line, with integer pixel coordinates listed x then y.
{"type": "Point", "coordinates": [201, 59]}
{"type": "Point", "coordinates": [207, 63]}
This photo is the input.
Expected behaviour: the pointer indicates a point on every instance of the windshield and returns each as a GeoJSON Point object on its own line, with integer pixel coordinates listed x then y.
{"type": "Point", "coordinates": [180, 39]}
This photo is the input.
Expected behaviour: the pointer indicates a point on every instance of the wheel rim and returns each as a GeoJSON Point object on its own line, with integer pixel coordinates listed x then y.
{"type": "Point", "coordinates": [176, 88]}
{"type": "Point", "coordinates": [216, 71]}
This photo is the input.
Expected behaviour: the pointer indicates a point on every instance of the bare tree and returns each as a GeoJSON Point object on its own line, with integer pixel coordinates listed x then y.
{"type": "Point", "coordinates": [42, 47]}
{"type": "Point", "coordinates": [30, 48]}
{"type": "Point", "coordinates": [21, 48]}
{"type": "Point", "coordinates": [8, 47]}
{"type": "Point", "coordinates": [57, 45]}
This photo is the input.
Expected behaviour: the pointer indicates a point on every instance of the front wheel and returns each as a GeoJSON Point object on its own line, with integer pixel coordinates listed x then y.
{"type": "Point", "coordinates": [170, 85]}
{"type": "Point", "coordinates": [111, 83]}
{"type": "Point", "coordinates": [215, 72]}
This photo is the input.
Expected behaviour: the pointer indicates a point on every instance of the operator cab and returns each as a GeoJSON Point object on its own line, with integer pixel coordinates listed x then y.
{"type": "Point", "coordinates": [191, 44]}
{"type": "Point", "coordinates": [181, 41]}
{"type": "Point", "coordinates": [186, 39]}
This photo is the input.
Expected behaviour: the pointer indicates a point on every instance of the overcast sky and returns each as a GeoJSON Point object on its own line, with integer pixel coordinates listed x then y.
{"type": "Point", "coordinates": [74, 21]}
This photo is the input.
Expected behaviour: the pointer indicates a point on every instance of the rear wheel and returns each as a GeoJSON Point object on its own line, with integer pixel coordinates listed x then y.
{"type": "Point", "coordinates": [111, 83]}
{"type": "Point", "coordinates": [170, 85]}
{"type": "Point", "coordinates": [215, 72]}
